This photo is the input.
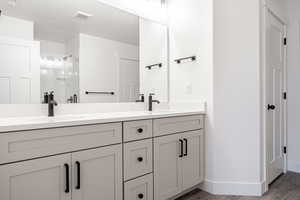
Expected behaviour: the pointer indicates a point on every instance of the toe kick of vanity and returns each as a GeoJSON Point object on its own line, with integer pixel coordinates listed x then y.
{"type": "Point", "coordinates": [151, 159]}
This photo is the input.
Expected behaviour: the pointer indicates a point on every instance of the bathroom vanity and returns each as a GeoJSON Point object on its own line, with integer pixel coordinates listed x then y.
{"type": "Point", "coordinates": [89, 57]}
{"type": "Point", "coordinates": [117, 156]}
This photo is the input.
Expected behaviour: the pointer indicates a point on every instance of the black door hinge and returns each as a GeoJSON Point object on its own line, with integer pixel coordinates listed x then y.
{"type": "Point", "coordinates": [285, 41]}
{"type": "Point", "coordinates": [284, 95]}
{"type": "Point", "coordinates": [284, 150]}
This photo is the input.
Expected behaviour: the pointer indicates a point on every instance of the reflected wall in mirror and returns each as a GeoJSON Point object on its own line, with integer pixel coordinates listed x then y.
{"type": "Point", "coordinates": [84, 51]}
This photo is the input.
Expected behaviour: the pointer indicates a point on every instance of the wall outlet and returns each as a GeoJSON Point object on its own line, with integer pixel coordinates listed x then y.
{"type": "Point", "coordinates": [188, 88]}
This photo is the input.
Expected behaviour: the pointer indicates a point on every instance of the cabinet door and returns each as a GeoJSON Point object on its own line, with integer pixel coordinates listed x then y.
{"type": "Point", "coordinates": [97, 174]}
{"type": "Point", "coordinates": [38, 179]}
{"type": "Point", "coordinates": [193, 160]}
{"type": "Point", "coordinates": [167, 167]}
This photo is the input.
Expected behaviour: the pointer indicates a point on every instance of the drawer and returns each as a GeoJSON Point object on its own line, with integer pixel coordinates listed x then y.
{"type": "Point", "coordinates": [137, 158]}
{"type": "Point", "coordinates": [139, 189]}
{"type": "Point", "coordinates": [15, 146]}
{"type": "Point", "coordinates": [137, 130]}
{"type": "Point", "coordinates": [171, 125]}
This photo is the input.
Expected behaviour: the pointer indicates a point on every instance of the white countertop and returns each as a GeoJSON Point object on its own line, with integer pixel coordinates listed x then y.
{"type": "Point", "coordinates": [41, 122]}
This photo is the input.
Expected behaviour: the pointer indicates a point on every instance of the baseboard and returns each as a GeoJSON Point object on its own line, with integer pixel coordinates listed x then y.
{"type": "Point", "coordinates": [294, 166]}
{"type": "Point", "coordinates": [234, 188]}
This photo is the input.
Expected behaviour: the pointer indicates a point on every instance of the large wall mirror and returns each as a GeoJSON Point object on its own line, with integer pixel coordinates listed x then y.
{"type": "Point", "coordinates": [84, 51]}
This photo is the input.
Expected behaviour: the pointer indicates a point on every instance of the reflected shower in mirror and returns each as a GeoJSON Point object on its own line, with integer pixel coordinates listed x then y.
{"type": "Point", "coordinates": [84, 51]}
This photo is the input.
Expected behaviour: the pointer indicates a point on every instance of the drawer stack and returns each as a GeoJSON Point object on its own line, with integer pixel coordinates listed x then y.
{"type": "Point", "coordinates": [138, 160]}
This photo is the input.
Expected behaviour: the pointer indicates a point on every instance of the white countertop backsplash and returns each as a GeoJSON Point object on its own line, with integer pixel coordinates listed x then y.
{"type": "Point", "coordinates": [28, 117]}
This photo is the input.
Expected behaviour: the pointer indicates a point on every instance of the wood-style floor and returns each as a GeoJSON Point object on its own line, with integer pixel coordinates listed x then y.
{"type": "Point", "coordinates": [286, 187]}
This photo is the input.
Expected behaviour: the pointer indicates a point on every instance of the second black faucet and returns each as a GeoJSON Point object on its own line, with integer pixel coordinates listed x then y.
{"type": "Point", "coordinates": [151, 101]}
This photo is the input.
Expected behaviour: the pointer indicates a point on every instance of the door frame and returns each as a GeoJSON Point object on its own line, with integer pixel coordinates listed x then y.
{"type": "Point", "coordinates": [266, 10]}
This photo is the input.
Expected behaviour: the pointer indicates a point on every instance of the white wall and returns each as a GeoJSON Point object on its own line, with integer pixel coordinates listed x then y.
{"type": "Point", "coordinates": [293, 65]}
{"type": "Point", "coordinates": [99, 60]}
{"type": "Point", "coordinates": [225, 37]}
{"type": "Point", "coordinates": [237, 130]}
{"type": "Point", "coordinates": [190, 27]}
{"type": "Point", "coordinates": [50, 48]}
{"type": "Point", "coordinates": [18, 28]}
{"type": "Point", "coordinates": [191, 34]}
{"type": "Point", "coordinates": [153, 50]}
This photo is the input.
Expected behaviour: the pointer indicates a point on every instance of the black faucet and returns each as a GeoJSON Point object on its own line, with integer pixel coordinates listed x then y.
{"type": "Point", "coordinates": [142, 99]}
{"type": "Point", "coordinates": [151, 101]}
{"type": "Point", "coordinates": [51, 104]}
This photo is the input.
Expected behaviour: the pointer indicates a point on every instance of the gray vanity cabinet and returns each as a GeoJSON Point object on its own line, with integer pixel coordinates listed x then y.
{"type": "Point", "coordinates": [178, 155]}
{"type": "Point", "coordinates": [84, 175]}
{"type": "Point", "coordinates": [178, 163]}
{"type": "Point", "coordinates": [154, 159]}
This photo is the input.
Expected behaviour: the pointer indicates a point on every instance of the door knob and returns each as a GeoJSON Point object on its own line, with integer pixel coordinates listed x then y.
{"type": "Point", "coordinates": [271, 107]}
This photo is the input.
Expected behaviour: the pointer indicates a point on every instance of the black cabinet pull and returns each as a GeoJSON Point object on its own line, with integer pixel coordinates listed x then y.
{"type": "Point", "coordinates": [140, 196]}
{"type": "Point", "coordinates": [78, 175]}
{"type": "Point", "coordinates": [140, 130]}
{"type": "Point", "coordinates": [67, 190]}
{"type": "Point", "coordinates": [140, 159]}
{"type": "Point", "coordinates": [181, 148]}
{"type": "Point", "coordinates": [186, 147]}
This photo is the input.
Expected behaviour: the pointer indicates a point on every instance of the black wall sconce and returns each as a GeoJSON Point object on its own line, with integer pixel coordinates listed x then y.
{"type": "Point", "coordinates": [191, 58]}
{"type": "Point", "coordinates": [155, 65]}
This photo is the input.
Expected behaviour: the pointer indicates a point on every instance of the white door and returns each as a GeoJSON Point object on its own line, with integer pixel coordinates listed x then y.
{"type": "Point", "coordinates": [193, 159]}
{"type": "Point", "coordinates": [97, 174]}
{"type": "Point", "coordinates": [19, 71]}
{"type": "Point", "coordinates": [38, 179]}
{"type": "Point", "coordinates": [129, 81]}
{"type": "Point", "coordinates": [274, 97]}
{"type": "Point", "coordinates": [167, 167]}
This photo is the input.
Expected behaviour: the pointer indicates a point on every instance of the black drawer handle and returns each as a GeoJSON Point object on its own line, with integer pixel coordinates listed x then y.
{"type": "Point", "coordinates": [67, 168]}
{"type": "Point", "coordinates": [78, 175]}
{"type": "Point", "coordinates": [181, 148]}
{"type": "Point", "coordinates": [271, 107]}
{"type": "Point", "coordinates": [140, 159]}
{"type": "Point", "coordinates": [140, 130]}
{"type": "Point", "coordinates": [186, 147]}
{"type": "Point", "coordinates": [140, 196]}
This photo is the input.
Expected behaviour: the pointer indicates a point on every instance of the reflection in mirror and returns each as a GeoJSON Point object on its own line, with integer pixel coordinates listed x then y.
{"type": "Point", "coordinates": [84, 51]}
